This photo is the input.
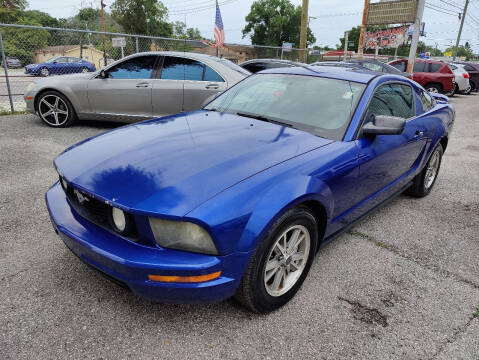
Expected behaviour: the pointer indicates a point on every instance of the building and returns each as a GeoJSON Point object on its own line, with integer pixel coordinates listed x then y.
{"type": "Point", "coordinates": [87, 53]}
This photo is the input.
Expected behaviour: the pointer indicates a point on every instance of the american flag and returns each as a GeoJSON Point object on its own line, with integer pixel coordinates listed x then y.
{"type": "Point", "coordinates": [219, 30]}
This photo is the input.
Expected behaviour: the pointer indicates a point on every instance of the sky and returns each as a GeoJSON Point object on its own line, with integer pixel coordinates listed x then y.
{"type": "Point", "coordinates": [332, 18]}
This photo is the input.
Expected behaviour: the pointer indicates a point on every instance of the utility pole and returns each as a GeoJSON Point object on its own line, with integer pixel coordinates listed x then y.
{"type": "Point", "coordinates": [460, 29]}
{"type": "Point", "coordinates": [346, 38]}
{"type": "Point", "coordinates": [415, 35]}
{"type": "Point", "coordinates": [363, 29]}
{"type": "Point", "coordinates": [102, 12]}
{"type": "Point", "coordinates": [304, 29]}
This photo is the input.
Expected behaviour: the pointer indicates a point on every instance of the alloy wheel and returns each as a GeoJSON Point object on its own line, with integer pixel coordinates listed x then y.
{"type": "Point", "coordinates": [53, 110]}
{"type": "Point", "coordinates": [44, 72]}
{"type": "Point", "coordinates": [432, 169]}
{"type": "Point", "coordinates": [84, 70]}
{"type": "Point", "coordinates": [433, 90]}
{"type": "Point", "coordinates": [287, 259]}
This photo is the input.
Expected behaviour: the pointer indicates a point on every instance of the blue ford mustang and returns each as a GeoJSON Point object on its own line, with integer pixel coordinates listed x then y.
{"type": "Point", "coordinates": [236, 199]}
{"type": "Point", "coordinates": [60, 65]}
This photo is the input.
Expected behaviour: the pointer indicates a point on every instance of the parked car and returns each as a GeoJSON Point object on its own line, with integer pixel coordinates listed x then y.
{"type": "Point", "coordinates": [473, 71]}
{"type": "Point", "coordinates": [340, 64]}
{"type": "Point", "coordinates": [60, 65]}
{"type": "Point", "coordinates": [12, 63]}
{"type": "Point", "coordinates": [257, 65]}
{"type": "Point", "coordinates": [375, 65]}
{"type": "Point", "coordinates": [236, 199]}
{"type": "Point", "coordinates": [434, 75]}
{"type": "Point", "coordinates": [370, 65]}
{"type": "Point", "coordinates": [140, 86]}
{"type": "Point", "coordinates": [461, 79]}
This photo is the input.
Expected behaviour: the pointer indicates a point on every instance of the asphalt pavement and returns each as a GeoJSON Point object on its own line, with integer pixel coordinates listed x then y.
{"type": "Point", "coordinates": [403, 284]}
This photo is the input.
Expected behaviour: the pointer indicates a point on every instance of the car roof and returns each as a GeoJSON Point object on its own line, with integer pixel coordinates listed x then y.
{"type": "Point", "coordinates": [339, 73]}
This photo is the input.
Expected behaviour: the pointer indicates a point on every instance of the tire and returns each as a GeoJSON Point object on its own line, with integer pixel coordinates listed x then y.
{"type": "Point", "coordinates": [264, 295]}
{"type": "Point", "coordinates": [473, 85]}
{"type": "Point", "coordinates": [44, 72]}
{"type": "Point", "coordinates": [467, 91]}
{"type": "Point", "coordinates": [56, 110]}
{"type": "Point", "coordinates": [422, 183]}
{"type": "Point", "coordinates": [84, 70]}
{"type": "Point", "coordinates": [433, 88]}
{"type": "Point", "coordinates": [452, 92]}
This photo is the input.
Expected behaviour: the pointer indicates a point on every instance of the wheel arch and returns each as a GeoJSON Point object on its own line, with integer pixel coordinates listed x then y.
{"type": "Point", "coordinates": [44, 90]}
{"type": "Point", "coordinates": [304, 191]}
{"type": "Point", "coordinates": [443, 141]}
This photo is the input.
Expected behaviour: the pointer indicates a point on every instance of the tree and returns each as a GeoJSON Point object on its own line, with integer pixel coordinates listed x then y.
{"type": "Point", "coordinates": [146, 17]}
{"type": "Point", "coordinates": [14, 4]}
{"type": "Point", "coordinates": [462, 51]}
{"type": "Point", "coordinates": [272, 22]}
{"type": "Point", "coordinates": [181, 32]}
{"type": "Point", "coordinates": [352, 37]}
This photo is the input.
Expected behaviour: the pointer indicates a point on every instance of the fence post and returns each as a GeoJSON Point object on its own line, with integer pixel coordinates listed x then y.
{"type": "Point", "coordinates": [136, 43]}
{"type": "Point", "coordinates": [5, 68]}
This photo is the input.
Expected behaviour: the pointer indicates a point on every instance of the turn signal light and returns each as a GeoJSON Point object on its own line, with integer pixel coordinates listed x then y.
{"type": "Point", "coordinates": [185, 279]}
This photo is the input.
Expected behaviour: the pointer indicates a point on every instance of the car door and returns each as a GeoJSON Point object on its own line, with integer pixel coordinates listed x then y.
{"type": "Point", "coordinates": [421, 72]}
{"type": "Point", "coordinates": [59, 66]}
{"type": "Point", "coordinates": [385, 161]}
{"type": "Point", "coordinates": [201, 83]}
{"type": "Point", "coordinates": [125, 93]}
{"type": "Point", "coordinates": [74, 64]}
{"type": "Point", "coordinates": [167, 86]}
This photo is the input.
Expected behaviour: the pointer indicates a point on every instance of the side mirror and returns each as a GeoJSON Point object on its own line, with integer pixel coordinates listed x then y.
{"type": "Point", "coordinates": [384, 125]}
{"type": "Point", "coordinates": [54, 62]}
{"type": "Point", "coordinates": [103, 74]}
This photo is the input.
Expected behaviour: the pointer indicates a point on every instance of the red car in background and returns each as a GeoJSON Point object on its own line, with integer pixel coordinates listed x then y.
{"type": "Point", "coordinates": [435, 76]}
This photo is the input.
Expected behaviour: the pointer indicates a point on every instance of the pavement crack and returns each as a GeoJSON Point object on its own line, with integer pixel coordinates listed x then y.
{"type": "Point", "coordinates": [365, 314]}
{"type": "Point", "coordinates": [453, 338]}
{"type": "Point", "coordinates": [397, 251]}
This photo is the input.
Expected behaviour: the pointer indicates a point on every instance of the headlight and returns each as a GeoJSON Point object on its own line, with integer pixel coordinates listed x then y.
{"type": "Point", "coordinates": [30, 86]}
{"type": "Point", "coordinates": [181, 235]}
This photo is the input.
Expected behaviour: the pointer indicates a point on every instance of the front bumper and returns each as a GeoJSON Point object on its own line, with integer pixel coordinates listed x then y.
{"type": "Point", "coordinates": [131, 263]}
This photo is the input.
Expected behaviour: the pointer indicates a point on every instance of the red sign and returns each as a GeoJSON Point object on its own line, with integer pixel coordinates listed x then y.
{"type": "Point", "coordinates": [386, 38]}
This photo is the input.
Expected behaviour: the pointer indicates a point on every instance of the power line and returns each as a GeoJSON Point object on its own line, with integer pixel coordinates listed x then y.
{"type": "Point", "coordinates": [200, 8]}
{"type": "Point", "coordinates": [439, 7]}
{"type": "Point", "coordinates": [441, 11]}
{"type": "Point", "coordinates": [450, 4]}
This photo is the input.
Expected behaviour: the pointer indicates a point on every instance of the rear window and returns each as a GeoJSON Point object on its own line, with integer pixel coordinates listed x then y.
{"type": "Point", "coordinates": [401, 66]}
{"type": "Point", "coordinates": [435, 67]}
{"type": "Point", "coordinates": [419, 66]}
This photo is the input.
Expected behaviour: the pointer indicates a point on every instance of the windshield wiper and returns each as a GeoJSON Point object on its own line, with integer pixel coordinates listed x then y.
{"type": "Point", "coordinates": [263, 118]}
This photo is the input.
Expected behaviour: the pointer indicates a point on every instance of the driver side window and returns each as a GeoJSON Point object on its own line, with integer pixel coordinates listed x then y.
{"type": "Point", "coordinates": [140, 67]}
{"type": "Point", "coordinates": [391, 100]}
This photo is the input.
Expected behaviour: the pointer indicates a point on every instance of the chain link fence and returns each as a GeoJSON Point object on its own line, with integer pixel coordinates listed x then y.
{"type": "Point", "coordinates": [33, 51]}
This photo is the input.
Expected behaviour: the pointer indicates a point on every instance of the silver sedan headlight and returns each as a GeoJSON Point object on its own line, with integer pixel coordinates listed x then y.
{"type": "Point", "coordinates": [181, 235]}
{"type": "Point", "coordinates": [30, 86]}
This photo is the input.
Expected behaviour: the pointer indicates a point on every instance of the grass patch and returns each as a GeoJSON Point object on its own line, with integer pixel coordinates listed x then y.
{"type": "Point", "coordinates": [373, 240]}
{"type": "Point", "coordinates": [4, 112]}
{"type": "Point", "coordinates": [476, 313]}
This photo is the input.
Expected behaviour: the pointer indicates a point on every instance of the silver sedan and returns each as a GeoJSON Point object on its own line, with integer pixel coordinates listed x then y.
{"type": "Point", "coordinates": [137, 87]}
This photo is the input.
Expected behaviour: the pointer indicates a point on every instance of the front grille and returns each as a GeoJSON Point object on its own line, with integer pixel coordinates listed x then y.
{"type": "Point", "coordinates": [92, 209]}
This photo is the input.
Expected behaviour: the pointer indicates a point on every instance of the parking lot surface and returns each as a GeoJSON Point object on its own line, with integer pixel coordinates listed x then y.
{"type": "Point", "coordinates": [403, 284]}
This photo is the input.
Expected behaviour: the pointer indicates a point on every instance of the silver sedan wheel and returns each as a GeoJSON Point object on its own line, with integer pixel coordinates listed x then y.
{"type": "Point", "coordinates": [432, 168]}
{"type": "Point", "coordinates": [287, 259]}
{"type": "Point", "coordinates": [53, 110]}
{"type": "Point", "coordinates": [432, 90]}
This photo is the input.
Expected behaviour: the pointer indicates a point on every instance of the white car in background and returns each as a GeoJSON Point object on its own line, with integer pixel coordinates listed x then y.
{"type": "Point", "coordinates": [461, 79]}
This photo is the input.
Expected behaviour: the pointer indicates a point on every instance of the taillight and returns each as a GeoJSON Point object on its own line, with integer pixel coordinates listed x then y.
{"type": "Point", "coordinates": [466, 75]}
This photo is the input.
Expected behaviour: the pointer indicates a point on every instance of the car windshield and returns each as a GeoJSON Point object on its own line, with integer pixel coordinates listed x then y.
{"type": "Point", "coordinates": [318, 105]}
{"type": "Point", "coordinates": [392, 69]}
{"type": "Point", "coordinates": [52, 59]}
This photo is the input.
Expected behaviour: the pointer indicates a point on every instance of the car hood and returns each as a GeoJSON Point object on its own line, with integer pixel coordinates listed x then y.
{"type": "Point", "coordinates": [173, 164]}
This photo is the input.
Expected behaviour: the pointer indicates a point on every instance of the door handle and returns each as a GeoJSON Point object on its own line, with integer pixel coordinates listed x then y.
{"type": "Point", "coordinates": [142, 85]}
{"type": "Point", "coordinates": [211, 86]}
